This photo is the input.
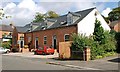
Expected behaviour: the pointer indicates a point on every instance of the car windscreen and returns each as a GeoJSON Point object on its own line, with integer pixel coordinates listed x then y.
{"type": "Point", "coordinates": [40, 48]}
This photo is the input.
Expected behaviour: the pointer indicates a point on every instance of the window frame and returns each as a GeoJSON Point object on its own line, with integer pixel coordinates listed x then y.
{"type": "Point", "coordinates": [65, 37]}
{"type": "Point", "coordinates": [44, 40]}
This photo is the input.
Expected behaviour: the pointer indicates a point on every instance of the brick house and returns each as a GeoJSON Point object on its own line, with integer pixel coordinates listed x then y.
{"type": "Point", "coordinates": [52, 31]}
{"type": "Point", "coordinates": [6, 32]}
{"type": "Point", "coordinates": [18, 36]}
{"type": "Point", "coordinates": [115, 25]}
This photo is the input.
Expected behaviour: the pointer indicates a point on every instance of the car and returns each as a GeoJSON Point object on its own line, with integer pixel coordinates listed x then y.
{"type": "Point", "coordinates": [44, 50]}
{"type": "Point", "coordinates": [4, 50]}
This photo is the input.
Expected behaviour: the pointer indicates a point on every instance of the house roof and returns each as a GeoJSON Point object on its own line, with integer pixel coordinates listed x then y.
{"type": "Point", "coordinates": [6, 28]}
{"type": "Point", "coordinates": [26, 28]}
{"type": "Point", "coordinates": [112, 24]}
{"type": "Point", "coordinates": [21, 29]}
{"type": "Point", "coordinates": [63, 19]}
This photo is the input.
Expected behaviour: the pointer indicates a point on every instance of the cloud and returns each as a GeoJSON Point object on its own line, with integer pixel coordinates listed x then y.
{"type": "Point", "coordinates": [106, 12]}
{"type": "Point", "coordinates": [22, 13]}
{"type": "Point", "coordinates": [84, 5]}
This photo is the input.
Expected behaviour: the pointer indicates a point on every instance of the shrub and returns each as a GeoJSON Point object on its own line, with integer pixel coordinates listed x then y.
{"type": "Point", "coordinates": [98, 32]}
{"type": "Point", "coordinates": [101, 43]}
{"type": "Point", "coordinates": [80, 41]}
{"type": "Point", "coordinates": [6, 45]}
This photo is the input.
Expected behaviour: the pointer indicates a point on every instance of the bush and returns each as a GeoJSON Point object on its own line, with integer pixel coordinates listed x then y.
{"type": "Point", "coordinates": [80, 41]}
{"type": "Point", "coordinates": [101, 43]}
{"type": "Point", "coordinates": [102, 49]}
{"type": "Point", "coordinates": [97, 49]}
{"type": "Point", "coordinates": [6, 45]}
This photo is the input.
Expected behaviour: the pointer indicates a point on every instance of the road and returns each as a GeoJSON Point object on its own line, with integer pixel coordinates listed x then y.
{"type": "Point", "coordinates": [21, 63]}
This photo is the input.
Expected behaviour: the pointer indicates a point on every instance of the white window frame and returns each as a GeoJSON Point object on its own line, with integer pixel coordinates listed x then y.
{"type": "Point", "coordinates": [44, 40]}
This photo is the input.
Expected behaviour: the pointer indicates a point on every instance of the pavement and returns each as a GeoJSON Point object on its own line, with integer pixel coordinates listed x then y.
{"type": "Point", "coordinates": [31, 55]}
{"type": "Point", "coordinates": [108, 63]}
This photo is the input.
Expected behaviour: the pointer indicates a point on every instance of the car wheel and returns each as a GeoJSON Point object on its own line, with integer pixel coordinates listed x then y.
{"type": "Point", "coordinates": [7, 51]}
{"type": "Point", "coordinates": [35, 53]}
{"type": "Point", "coordinates": [43, 53]}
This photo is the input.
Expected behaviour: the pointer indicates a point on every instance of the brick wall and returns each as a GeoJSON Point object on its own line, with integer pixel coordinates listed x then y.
{"type": "Point", "coordinates": [59, 32]}
{"type": "Point", "coordinates": [117, 26]}
{"type": "Point", "coordinates": [0, 34]}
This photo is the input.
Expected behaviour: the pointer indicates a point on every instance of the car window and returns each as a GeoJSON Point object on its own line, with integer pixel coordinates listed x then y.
{"type": "Point", "coordinates": [40, 48]}
{"type": "Point", "coordinates": [1, 48]}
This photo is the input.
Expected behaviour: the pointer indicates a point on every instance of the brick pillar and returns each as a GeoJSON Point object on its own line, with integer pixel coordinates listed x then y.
{"type": "Point", "coordinates": [87, 54]}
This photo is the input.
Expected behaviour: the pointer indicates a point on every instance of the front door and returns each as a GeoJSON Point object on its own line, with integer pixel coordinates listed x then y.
{"type": "Point", "coordinates": [36, 42]}
{"type": "Point", "coordinates": [21, 44]}
{"type": "Point", "coordinates": [54, 41]}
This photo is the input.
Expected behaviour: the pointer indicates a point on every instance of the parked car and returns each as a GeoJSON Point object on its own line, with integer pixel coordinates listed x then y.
{"type": "Point", "coordinates": [44, 50]}
{"type": "Point", "coordinates": [4, 50]}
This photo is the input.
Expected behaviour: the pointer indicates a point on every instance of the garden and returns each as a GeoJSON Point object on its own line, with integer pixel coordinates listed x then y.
{"type": "Point", "coordinates": [102, 43]}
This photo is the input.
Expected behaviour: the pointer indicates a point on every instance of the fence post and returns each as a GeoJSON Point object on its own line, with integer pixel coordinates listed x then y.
{"type": "Point", "coordinates": [86, 54]}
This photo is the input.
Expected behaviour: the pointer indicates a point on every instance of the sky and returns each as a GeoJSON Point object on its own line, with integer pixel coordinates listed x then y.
{"type": "Point", "coordinates": [22, 12]}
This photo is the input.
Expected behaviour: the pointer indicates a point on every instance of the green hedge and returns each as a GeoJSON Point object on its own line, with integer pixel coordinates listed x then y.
{"type": "Point", "coordinates": [97, 50]}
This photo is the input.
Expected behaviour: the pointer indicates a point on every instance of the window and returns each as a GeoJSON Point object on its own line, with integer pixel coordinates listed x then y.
{"type": "Point", "coordinates": [29, 39]}
{"type": "Point", "coordinates": [45, 40]}
{"type": "Point", "coordinates": [67, 37]}
{"type": "Point", "coordinates": [69, 19]}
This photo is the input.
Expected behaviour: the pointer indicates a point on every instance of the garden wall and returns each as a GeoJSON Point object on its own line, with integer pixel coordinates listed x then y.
{"type": "Point", "coordinates": [64, 50]}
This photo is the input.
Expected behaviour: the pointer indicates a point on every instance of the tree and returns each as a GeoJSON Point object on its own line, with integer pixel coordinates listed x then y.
{"type": "Point", "coordinates": [2, 14]}
{"type": "Point", "coordinates": [98, 32]}
{"type": "Point", "coordinates": [52, 14]}
{"type": "Point", "coordinates": [40, 17]}
{"type": "Point", "coordinates": [114, 14]}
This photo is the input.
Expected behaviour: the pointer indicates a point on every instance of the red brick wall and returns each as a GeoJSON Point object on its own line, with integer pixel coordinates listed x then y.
{"type": "Point", "coordinates": [117, 26]}
{"type": "Point", "coordinates": [59, 32]}
{"type": "Point", "coordinates": [26, 35]}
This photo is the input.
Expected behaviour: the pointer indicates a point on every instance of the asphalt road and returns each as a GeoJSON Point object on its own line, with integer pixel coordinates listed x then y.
{"type": "Point", "coordinates": [21, 63]}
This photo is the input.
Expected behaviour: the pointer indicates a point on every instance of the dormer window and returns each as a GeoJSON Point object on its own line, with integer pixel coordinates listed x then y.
{"type": "Point", "coordinates": [69, 19]}
{"type": "Point", "coordinates": [63, 22]}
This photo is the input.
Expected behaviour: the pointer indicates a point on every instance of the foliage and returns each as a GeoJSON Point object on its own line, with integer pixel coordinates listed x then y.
{"type": "Point", "coordinates": [80, 41]}
{"type": "Point", "coordinates": [38, 17]}
{"type": "Point", "coordinates": [100, 50]}
{"type": "Point", "coordinates": [98, 32]}
{"type": "Point", "coordinates": [102, 43]}
{"type": "Point", "coordinates": [2, 14]}
{"type": "Point", "coordinates": [52, 14]}
{"type": "Point", "coordinates": [6, 45]}
{"type": "Point", "coordinates": [114, 14]}
{"type": "Point", "coordinates": [41, 17]}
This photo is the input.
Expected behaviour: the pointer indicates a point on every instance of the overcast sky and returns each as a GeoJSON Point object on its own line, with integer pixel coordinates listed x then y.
{"type": "Point", "coordinates": [23, 11]}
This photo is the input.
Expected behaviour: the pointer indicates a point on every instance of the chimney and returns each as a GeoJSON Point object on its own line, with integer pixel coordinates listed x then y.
{"type": "Point", "coordinates": [11, 24]}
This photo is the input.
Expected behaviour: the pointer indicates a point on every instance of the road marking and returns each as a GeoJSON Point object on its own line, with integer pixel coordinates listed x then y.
{"type": "Point", "coordinates": [72, 66]}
